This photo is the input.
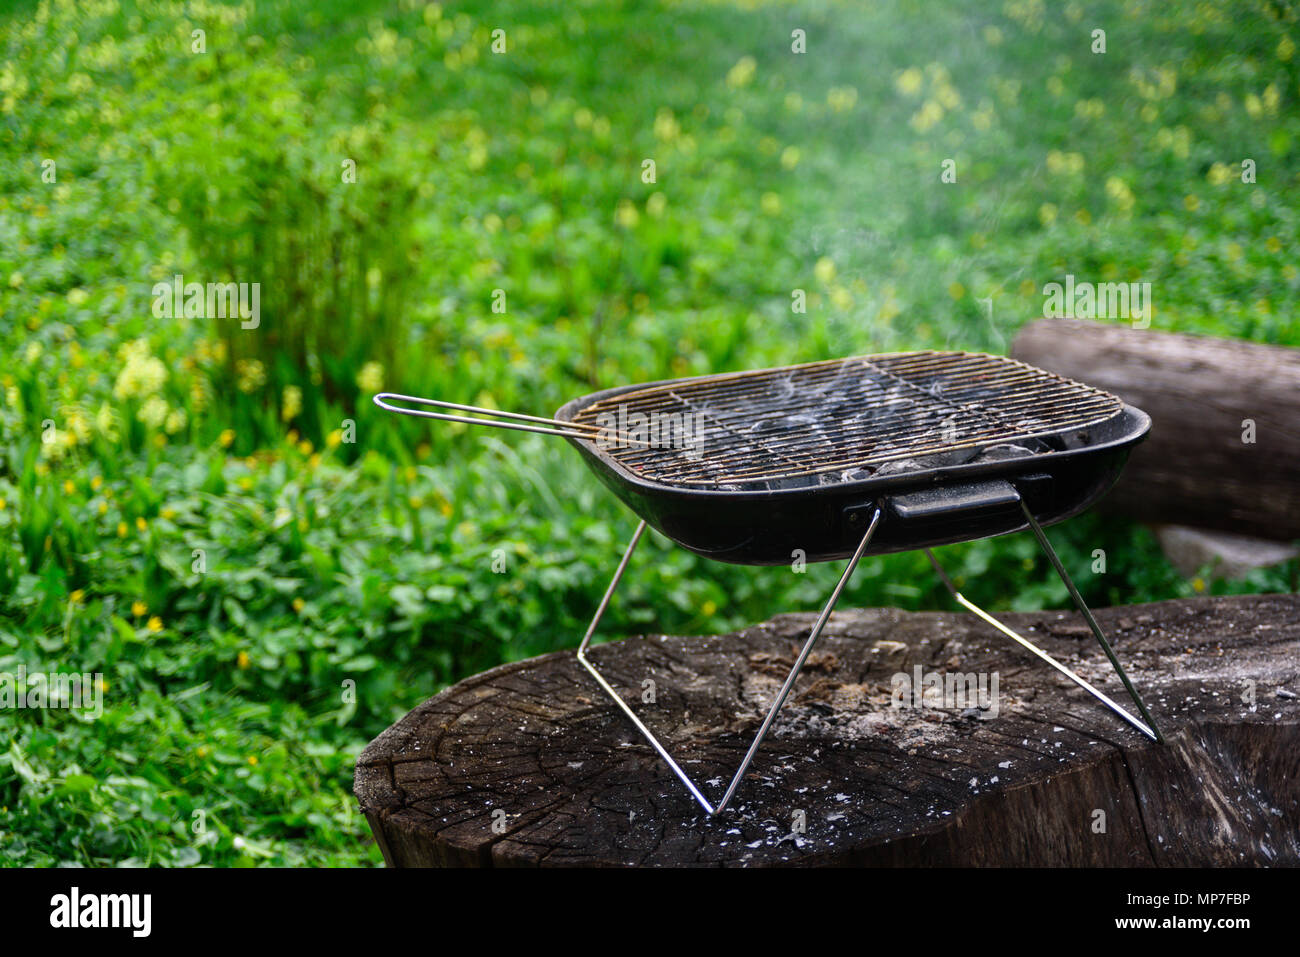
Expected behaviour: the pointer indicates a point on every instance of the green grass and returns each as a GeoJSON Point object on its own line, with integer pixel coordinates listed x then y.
{"type": "Point", "coordinates": [263, 596]}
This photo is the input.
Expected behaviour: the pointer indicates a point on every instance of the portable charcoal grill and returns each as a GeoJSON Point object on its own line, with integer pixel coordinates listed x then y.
{"type": "Point", "coordinates": [839, 459]}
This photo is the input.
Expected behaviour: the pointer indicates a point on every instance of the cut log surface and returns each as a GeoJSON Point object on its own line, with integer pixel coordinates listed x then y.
{"type": "Point", "coordinates": [1203, 394]}
{"type": "Point", "coordinates": [530, 764]}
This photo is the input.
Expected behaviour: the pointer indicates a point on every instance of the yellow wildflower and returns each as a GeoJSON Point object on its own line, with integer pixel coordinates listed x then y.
{"type": "Point", "coordinates": [1119, 191]}
{"type": "Point", "coordinates": [290, 403]}
{"type": "Point", "coordinates": [371, 377]}
{"type": "Point", "coordinates": [142, 374]}
{"type": "Point", "coordinates": [927, 116]}
{"type": "Point", "coordinates": [841, 98]}
{"type": "Point", "coordinates": [666, 127]}
{"type": "Point", "coordinates": [909, 81]}
{"type": "Point", "coordinates": [250, 375]}
{"type": "Point", "coordinates": [742, 74]}
{"type": "Point", "coordinates": [626, 215]}
{"type": "Point", "coordinates": [153, 412]}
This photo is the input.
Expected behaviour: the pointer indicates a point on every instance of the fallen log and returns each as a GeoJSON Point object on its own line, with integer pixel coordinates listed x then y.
{"type": "Point", "coordinates": [1224, 448]}
{"type": "Point", "coordinates": [530, 764]}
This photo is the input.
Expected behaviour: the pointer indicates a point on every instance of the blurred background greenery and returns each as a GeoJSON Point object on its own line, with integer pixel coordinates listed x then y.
{"type": "Point", "coordinates": [130, 444]}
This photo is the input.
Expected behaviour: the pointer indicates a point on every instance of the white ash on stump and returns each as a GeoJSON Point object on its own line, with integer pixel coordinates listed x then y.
{"type": "Point", "coordinates": [530, 764]}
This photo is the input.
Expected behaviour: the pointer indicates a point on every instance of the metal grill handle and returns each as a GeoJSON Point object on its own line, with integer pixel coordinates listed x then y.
{"type": "Point", "coordinates": [568, 430]}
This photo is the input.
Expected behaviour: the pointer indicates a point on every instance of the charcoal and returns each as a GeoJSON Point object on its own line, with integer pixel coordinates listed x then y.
{"type": "Point", "coordinates": [897, 467]}
{"type": "Point", "coordinates": [1001, 453]}
{"type": "Point", "coordinates": [946, 459]}
{"type": "Point", "coordinates": [792, 481]}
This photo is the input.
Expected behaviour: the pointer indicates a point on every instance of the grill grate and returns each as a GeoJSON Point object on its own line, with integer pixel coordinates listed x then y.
{"type": "Point", "coordinates": [845, 419]}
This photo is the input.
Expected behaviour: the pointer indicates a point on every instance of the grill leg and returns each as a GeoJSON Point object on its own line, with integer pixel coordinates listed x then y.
{"type": "Point", "coordinates": [609, 689]}
{"type": "Point", "coordinates": [776, 705]}
{"type": "Point", "coordinates": [1149, 727]}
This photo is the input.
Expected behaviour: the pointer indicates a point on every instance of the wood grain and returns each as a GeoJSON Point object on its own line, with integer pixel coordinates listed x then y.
{"type": "Point", "coordinates": [535, 749]}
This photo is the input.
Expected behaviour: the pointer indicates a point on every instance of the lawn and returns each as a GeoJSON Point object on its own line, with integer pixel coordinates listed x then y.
{"type": "Point", "coordinates": [265, 571]}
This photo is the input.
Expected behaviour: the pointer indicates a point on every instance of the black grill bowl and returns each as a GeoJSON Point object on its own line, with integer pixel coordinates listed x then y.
{"type": "Point", "coordinates": [827, 522]}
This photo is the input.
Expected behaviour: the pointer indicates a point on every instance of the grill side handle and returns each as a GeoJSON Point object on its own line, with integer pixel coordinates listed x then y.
{"type": "Point", "coordinates": [947, 512]}
{"type": "Point", "coordinates": [947, 500]}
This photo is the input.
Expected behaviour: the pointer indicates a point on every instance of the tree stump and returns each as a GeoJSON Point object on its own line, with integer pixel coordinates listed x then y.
{"type": "Point", "coordinates": [530, 764]}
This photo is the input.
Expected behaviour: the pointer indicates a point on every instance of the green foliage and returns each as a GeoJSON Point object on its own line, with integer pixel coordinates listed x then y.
{"type": "Point", "coordinates": [182, 508]}
{"type": "Point", "coordinates": [261, 185]}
